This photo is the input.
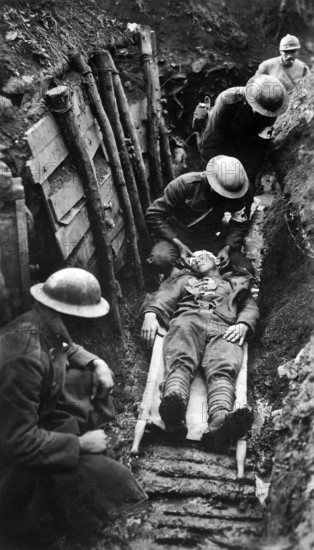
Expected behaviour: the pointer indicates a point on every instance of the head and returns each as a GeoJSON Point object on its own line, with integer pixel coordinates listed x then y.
{"type": "Point", "coordinates": [227, 177]}
{"type": "Point", "coordinates": [72, 291]}
{"type": "Point", "coordinates": [204, 263]}
{"type": "Point", "coordinates": [266, 95]}
{"type": "Point", "coordinates": [289, 47]}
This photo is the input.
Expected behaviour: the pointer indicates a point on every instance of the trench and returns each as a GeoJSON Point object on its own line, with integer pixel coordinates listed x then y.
{"type": "Point", "coordinates": [195, 498]}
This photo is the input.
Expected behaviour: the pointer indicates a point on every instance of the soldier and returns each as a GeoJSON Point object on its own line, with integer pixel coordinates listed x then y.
{"type": "Point", "coordinates": [240, 123]}
{"type": "Point", "coordinates": [53, 405]}
{"type": "Point", "coordinates": [286, 67]}
{"type": "Point", "coordinates": [190, 214]}
{"type": "Point", "coordinates": [209, 317]}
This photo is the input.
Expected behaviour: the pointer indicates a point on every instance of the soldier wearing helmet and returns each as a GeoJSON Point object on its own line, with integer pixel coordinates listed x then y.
{"type": "Point", "coordinates": [241, 121]}
{"type": "Point", "coordinates": [286, 67]}
{"type": "Point", "coordinates": [54, 402]}
{"type": "Point", "coordinates": [190, 214]}
{"type": "Point", "coordinates": [208, 316]}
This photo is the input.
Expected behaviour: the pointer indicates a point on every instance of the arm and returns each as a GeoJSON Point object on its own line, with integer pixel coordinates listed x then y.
{"type": "Point", "coordinates": [21, 439]}
{"type": "Point", "coordinates": [163, 303]}
{"type": "Point", "coordinates": [158, 213]}
{"type": "Point", "coordinates": [80, 358]}
{"type": "Point", "coordinates": [263, 68]}
{"type": "Point", "coordinates": [246, 321]}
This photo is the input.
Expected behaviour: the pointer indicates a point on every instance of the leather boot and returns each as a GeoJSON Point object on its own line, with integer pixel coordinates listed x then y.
{"type": "Point", "coordinates": [224, 424]}
{"type": "Point", "coordinates": [173, 405]}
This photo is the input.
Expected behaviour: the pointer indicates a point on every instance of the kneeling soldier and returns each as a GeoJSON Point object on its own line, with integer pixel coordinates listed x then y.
{"type": "Point", "coordinates": [209, 317]}
{"type": "Point", "coordinates": [54, 474]}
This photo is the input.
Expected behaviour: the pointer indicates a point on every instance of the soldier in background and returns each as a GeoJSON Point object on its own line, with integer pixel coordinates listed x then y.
{"type": "Point", "coordinates": [286, 67]}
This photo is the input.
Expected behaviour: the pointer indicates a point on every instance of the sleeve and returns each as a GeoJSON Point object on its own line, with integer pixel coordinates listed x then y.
{"type": "Point", "coordinates": [21, 438]}
{"type": "Point", "coordinates": [164, 302]}
{"type": "Point", "coordinates": [306, 70]}
{"type": "Point", "coordinates": [248, 313]}
{"type": "Point", "coordinates": [158, 213]}
{"type": "Point", "coordinates": [222, 113]}
{"type": "Point", "coordinates": [263, 68]}
{"type": "Point", "coordinates": [237, 228]}
{"type": "Point", "coordinates": [79, 357]}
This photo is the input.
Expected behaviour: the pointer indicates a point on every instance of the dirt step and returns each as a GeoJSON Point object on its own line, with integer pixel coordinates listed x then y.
{"type": "Point", "coordinates": [192, 455]}
{"type": "Point", "coordinates": [208, 526]}
{"type": "Point", "coordinates": [184, 468]}
{"type": "Point", "coordinates": [201, 508]}
{"type": "Point", "coordinates": [226, 491]}
{"type": "Point", "coordinates": [184, 538]}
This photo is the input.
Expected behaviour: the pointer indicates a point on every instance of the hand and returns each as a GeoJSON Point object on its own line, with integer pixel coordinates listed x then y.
{"type": "Point", "coordinates": [93, 442]}
{"type": "Point", "coordinates": [236, 333]}
{"type": "Point", "coordinates": [223, 256]}
{"type": "Point", "coordinates": [103, 381]}
{"type": "Point", "coordinates": [184, 251]}
{"type": "Point", "coordinates": [150, 327]}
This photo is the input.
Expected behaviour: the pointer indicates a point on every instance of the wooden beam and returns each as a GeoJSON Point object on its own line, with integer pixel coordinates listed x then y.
{"type": "Point", "coordinates": [157, 184]}
{"type": "Point", "coordinates": [59, 101]}
{"type": "Point", "coordinates": [117, 171]}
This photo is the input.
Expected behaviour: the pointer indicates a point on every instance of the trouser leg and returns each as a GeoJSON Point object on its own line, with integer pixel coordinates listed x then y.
{"type": "Point", "coordinates": [183, 350]}
{"type": "Point", "coordinates": [222, 362]}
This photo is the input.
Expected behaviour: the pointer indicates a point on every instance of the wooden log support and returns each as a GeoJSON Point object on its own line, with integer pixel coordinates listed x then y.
{"type": "Point", "coordinates": [115, 164]}
{"type": "Point", "coordinates": [157, 184]}
{"type": "Point", "coordinates": [241, 401]}
{"type": "Point", "coordinates": [131, 133]}
{"type": "Point", "coordinates": [103, 64]}
{"type": "Point", "coordinates": [60, 103]}
{"type": "Point", "coordinates": [165, 151]}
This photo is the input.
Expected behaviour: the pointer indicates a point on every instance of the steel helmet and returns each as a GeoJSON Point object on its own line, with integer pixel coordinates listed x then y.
{"type": "Point", "coordinates": [266, 95]}
{"type": "Point", "coordinates": [73, 291]}
{"type": "Point", "coordinates": [289, 42]}
{"type": "Point", "coordinates": [227, 177]}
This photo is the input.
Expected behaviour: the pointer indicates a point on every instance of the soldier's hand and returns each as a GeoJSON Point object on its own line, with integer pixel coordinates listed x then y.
{"type": "Point", "coordinates": [150, 327]}
{"type": "Point", "coordinates": [184, 251]}
{"type": "Point", "coordinates": [103, 382]}
{"type": "Point", "coordinates": [223, 256]}
{"type": "Point", "coordinates": [236, 333]}
{"type": "Point", "coordinates": [93, 442]}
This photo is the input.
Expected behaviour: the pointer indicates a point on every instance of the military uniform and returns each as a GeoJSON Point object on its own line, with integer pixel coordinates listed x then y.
{"type": "Point", "coordinates": [189, 211]}
{"type": "Point", "coordinates": [288, 76]}
{"type": "Point", "coordinates": [44, 406]}
{"type": "Point", "coordinates": [233, 129]}
{"type": "Point", "coordinates": [198, 312]}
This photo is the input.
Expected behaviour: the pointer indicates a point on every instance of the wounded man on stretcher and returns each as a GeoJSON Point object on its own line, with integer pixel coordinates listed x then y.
{"type": "Point", "coordinates": [209, 317]}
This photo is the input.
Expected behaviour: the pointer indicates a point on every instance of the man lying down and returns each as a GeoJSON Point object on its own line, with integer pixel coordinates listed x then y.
{"type": "Point", "coordinates": [209, 317]}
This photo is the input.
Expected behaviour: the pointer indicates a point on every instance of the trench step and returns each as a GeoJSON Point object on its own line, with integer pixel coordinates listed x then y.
{"type": "Point", "coordinates": [199, 507]}
{"type": "Point", "coordinates": [195, 455]}
{"type": "Point", "coordinates": [183, 468]}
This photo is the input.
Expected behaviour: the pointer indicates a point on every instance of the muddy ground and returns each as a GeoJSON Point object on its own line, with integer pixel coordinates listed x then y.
{"type": "Point", "coordinates": [202, 49]}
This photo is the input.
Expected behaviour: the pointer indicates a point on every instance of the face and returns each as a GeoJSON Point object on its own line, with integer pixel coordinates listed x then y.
{"type": "Point", "coordinates": [288, 57]}
{"type": "Point", "coordinates": [202, 264]}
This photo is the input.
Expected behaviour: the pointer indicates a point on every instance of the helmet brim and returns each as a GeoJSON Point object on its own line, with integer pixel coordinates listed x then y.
{"type": "Point", "coordinates": [261, 110]}
{"type": "Point", "coordinates": [88, 311]}
{"type": "Point", "coordinates": [216, 186]}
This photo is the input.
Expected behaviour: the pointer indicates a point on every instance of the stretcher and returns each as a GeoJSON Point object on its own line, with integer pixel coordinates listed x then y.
{"type": "Point", "coordinates": [196, 416]}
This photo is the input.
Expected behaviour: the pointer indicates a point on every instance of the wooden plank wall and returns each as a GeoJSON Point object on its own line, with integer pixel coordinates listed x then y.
{"type": "Point", "coordinates": [62, 187]}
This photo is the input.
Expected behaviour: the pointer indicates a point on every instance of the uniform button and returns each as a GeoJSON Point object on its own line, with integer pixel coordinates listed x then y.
{"type": "Point", "coordinates": [54, 384]}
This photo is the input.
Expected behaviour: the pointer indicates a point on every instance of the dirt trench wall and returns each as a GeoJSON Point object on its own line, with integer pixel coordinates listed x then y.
{"type": "Point", "coordinates": [287, 312]}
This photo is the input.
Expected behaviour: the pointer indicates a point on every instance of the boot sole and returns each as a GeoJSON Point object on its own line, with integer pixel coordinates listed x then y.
{"type": "Point", "coordinates": [172, 412]}
{"type": "Point", "coordinates": [235, 426]}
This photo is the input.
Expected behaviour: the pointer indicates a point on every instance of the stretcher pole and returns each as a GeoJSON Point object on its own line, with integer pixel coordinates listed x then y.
{"type": "Point", "coordinates": [148, 395]}
{"type": "Point", "coordinates": [241, 401]}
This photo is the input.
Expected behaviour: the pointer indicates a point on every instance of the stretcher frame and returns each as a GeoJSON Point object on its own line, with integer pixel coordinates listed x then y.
{"type": "Point", "coordinates": [148, 403]}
